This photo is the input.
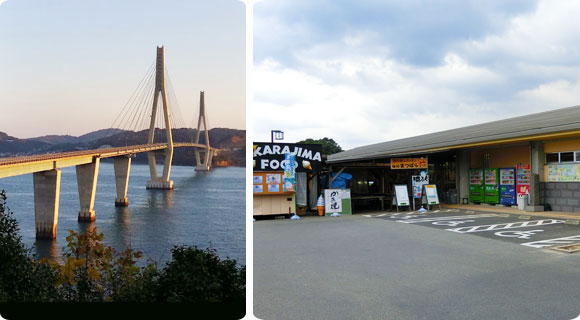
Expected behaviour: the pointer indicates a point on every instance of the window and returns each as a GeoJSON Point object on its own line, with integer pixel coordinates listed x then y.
{"type": "Point", "coordinates": [563, 157]}
{"type": "Point", "coordinates": [566, 156]}
{"type": "Point", "coordinates": [552, 158]}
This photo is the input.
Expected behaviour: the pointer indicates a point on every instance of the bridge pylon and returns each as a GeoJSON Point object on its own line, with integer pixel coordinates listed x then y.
{"type": "Point", "coordinates": [160, 182]}
{"type": "Point", "coordinates": [203, 157]}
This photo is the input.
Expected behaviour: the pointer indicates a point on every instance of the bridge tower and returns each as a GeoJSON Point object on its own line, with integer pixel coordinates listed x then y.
{"type": "Point", "coordinates": [203, 157]}
{"type": "Point", "coordinates": [156, 181]}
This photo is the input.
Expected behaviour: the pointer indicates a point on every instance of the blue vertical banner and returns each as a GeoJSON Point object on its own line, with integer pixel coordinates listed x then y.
{"type": "Point", "coordinates": [289, 172]}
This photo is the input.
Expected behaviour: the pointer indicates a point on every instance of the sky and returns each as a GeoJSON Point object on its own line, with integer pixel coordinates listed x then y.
{"type": "Point", "coordinates": [69, 67]}
{"type": "Point", "coordinates": [364, 72]}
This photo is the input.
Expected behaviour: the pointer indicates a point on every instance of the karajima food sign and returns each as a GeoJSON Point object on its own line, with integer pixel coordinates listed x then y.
{"type": "Point", "coordinates": [270, 156]}
{"type": "Point", "coordinates": [408, 163]}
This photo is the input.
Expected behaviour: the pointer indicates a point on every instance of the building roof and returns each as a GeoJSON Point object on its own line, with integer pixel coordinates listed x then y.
{"type": "Point", "coordinates": [535, 126]}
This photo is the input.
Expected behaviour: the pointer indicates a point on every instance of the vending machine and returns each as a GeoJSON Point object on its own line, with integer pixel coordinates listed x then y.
{"type": "Point", "coordinates": [507, 186]}
{"type": "Point", "coordinates": [476, 186]}
{"type": "Point", "coordinates": [523, 180]}
{"type": "Point", "coordinates": [491, 185]}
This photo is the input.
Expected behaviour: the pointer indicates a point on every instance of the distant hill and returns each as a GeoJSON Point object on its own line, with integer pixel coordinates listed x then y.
{"type": "Point", "coordinates": [55, 139]}
{"type": "Point", "coordinates": [68, 139]}
{"type": "Point", "coordinates": [231, 143]}
{"type": "Point", "coordinates": [99, 134]}
{"type": "Point", "coordinates": [5, 137]}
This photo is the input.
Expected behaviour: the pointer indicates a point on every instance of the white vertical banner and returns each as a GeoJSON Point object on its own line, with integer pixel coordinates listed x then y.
{"type": "Point", "coordinates": [332, 200]}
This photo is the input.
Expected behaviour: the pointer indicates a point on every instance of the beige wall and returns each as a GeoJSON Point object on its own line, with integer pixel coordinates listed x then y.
{"type": "Point", "coordinates": [274, 204]}
{"type": "Point", "coordinates": [501, 157]}
{"type": "Point", "coordinates": [561, 146]}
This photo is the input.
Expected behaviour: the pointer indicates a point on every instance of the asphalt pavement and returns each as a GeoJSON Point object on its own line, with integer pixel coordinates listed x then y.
{"type": "Point", "coordinates": [411, 266]}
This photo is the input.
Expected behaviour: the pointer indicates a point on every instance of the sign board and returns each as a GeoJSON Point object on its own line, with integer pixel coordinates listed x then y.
{"type": "Point", "coordinates": [409, 163]}
{"type": "Point", "coordinates": [289, 173]}
{"type": "Point", "coordinates": [271, 156]}
{"type": "Point", "coordinates": [563, 172]}
{"type": "Point", "coordinates": [418, 183]}
{"type": "Point", "coordinates": [332, 200]}
{"type": "Point", "coordinates": [269, 183]}
{"type": "Point", "coordinates": [401, 194]}
{"type": "Point", "coordinates": [431, 193]}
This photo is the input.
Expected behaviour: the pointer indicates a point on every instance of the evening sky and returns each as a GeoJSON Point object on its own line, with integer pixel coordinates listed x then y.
{"type": "Point", "coordinates": [69, 67]}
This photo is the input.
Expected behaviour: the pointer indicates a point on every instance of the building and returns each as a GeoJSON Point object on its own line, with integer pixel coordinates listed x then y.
{"type": "Point", "coordinates": [276, 191]}
{"type": "Point", "coordinates": [545, 147]}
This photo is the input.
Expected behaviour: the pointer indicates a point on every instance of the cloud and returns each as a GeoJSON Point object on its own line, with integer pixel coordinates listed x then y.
{"type": "Point", "coordinates": [419, 32]}
{"type": "Point", "coordinates": [2, 1]}
{"type": "Point", "coordinates": [404, 101]}
{"type": "Point", "coordinates": [358, 83]}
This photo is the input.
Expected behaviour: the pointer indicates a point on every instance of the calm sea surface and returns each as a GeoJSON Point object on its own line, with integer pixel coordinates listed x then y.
{"type": "Point", "coordinates": [205, 209]}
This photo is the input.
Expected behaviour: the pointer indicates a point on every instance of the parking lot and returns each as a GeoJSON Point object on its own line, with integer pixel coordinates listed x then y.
{"type": "Point", "coordinates": [532, 231]}
{"type": "Point", "coordinates": [447, 264]}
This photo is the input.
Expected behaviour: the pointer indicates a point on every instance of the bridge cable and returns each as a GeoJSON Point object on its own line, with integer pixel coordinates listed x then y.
{"type": "Point", "coordinates": [176, 115]}
{"type": "Point", "coordinates": [142, 124]}
{"type": "Point", "coordinates": [123, 110]}
{"type": "Point", "coordinates": [126, 120]}
{"type": "Point", "coordinates": [141, 106]}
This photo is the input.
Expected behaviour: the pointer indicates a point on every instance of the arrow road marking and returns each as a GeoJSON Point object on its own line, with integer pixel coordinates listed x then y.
{"type": "Point", "coordinates": [552, 242]}
{"type": "Point", "coordinates": [502, 226]}
{"type": "Point", "coordinates": [518, 234]}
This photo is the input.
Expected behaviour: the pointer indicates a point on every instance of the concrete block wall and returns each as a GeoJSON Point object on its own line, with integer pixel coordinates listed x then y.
{"type": "Point", "coordinates": [561, 196]}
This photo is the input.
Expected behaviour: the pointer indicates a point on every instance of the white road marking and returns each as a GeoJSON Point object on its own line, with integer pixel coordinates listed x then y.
{"type": "Point", "coordinates": [502, 226]}
{"type": "Point", "coordinates": [451, 223]}
{"type": "Point", "coordinates": [396, 214]}
{"type": "Point", "coordinates": [411, 216]}
{"type": "Point", "coordinates": [518, 234]}
{"type": "Point", "coordinates": [448, 218]}
{"type": "Point", "coordinates": [552, 242]}
{"type": "Point", "coordinates": [436, 211]}
{"type": "Point", "coordinates": [374, 215]}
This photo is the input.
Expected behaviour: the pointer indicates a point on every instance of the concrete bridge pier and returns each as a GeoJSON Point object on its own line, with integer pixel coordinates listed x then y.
{"type": "Point", "coordinates": [163, 182]}
{"type": "Point", "coordinates": [87, 184]}
{"type": "Point", "coordinates": [203, 159]}
{"type": "Point", "coordinates": [122, 167]}
{"type": "Point", "coordinates": [46, 199]}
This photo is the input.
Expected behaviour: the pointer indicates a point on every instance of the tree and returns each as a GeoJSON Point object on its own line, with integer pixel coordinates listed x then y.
{"type": "Point", "coordinates": [22, 279]}
{"type": "Point", "coordinates": [329, 146]}
{"type": "Point", "coordinates": [195, 275]}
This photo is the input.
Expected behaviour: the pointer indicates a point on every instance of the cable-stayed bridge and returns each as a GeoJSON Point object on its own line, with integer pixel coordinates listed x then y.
{"type": "Point", "coordinates": [148, 106]}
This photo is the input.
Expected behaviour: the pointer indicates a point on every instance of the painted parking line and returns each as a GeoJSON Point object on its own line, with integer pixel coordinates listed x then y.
{"type": "Point", "coordinates": [552, 242]}
{"type": "Point", "coordinates": [410, 216]}
{"type": "Point", "coordinates": [452, 223]}
{"type": "Point", "coordinates": [503, 226]}
{"type": "Point", "coordinates": [444, 218]}
{"type": "Point", "coordinates": [374, 215]}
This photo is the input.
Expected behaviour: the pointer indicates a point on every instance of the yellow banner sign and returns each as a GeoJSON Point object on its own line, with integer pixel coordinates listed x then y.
{"type": "Point", "coordinates": [409, 163]}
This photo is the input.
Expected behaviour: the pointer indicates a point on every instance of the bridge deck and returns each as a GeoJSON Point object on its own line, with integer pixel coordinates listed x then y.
{"type": "Point", "coordinates": [13, 166]}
